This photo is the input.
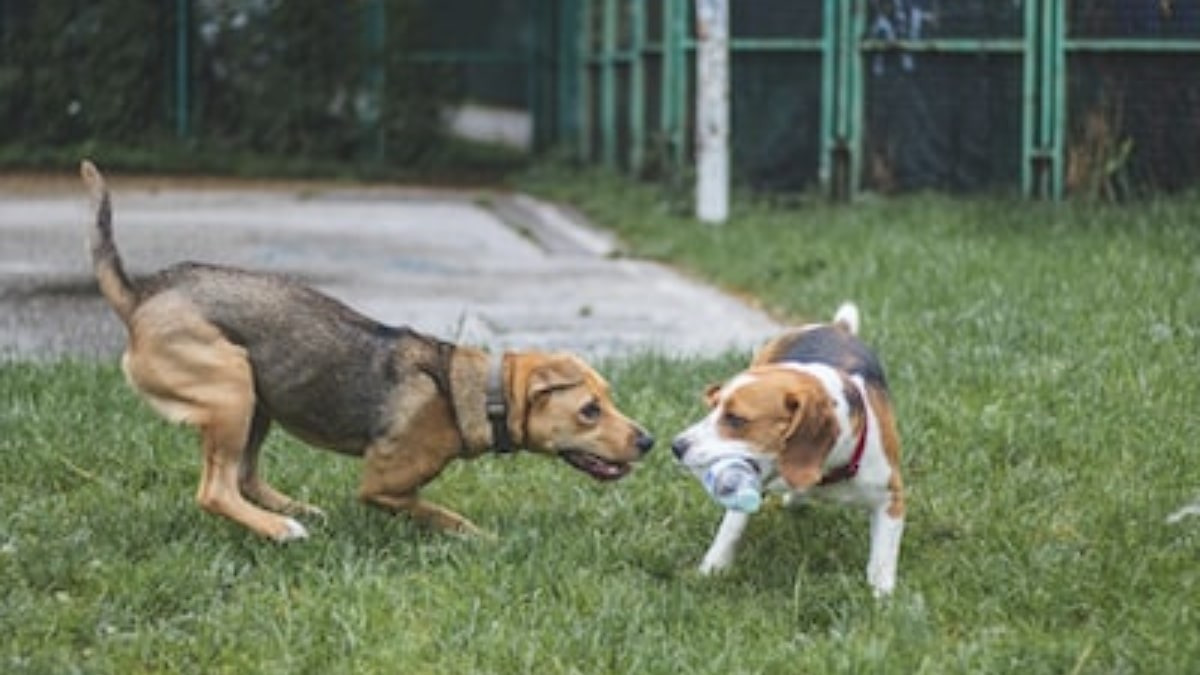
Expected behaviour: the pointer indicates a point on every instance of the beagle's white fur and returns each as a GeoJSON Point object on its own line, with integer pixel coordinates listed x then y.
{"type": "Point", "coordinates": [813, 414]}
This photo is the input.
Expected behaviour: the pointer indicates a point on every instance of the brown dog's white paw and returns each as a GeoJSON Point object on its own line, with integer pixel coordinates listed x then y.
{"type": "Point", "coordinates": [293, 531]}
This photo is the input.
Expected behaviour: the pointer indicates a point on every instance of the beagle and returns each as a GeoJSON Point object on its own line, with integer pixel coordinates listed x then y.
{"type": "Point", "coordinates": [813, 415]}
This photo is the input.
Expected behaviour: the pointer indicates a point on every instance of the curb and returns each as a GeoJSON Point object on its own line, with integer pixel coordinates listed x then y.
{"type": "Point", "coordinates": [554, 228]}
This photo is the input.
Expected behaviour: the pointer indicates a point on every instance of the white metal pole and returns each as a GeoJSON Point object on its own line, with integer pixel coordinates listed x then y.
{"type": "Point", "coordinates": [712, 111]}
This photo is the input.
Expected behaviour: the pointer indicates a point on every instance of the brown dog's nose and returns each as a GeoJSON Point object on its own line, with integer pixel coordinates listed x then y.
{"type": "Point", "coordinates": [679, 447]}
{"type": "Point", "coordinates": [644, 442]}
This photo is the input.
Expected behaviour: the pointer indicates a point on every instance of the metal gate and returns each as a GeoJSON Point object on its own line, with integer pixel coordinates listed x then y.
{"type": "Point", "coordinates": [1044, 96]}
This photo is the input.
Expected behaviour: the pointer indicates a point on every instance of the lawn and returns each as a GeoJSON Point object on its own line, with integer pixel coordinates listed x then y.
{"type": "Point", "coordinates": [1044, 363]}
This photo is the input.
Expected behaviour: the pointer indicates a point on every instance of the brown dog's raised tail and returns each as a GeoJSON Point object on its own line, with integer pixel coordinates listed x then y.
{"type": "Point", "coordinates": [106, 261]}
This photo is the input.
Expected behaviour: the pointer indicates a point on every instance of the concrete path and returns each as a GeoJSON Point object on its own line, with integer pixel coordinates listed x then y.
{"type": "Point", "coordinates": [497, 270]}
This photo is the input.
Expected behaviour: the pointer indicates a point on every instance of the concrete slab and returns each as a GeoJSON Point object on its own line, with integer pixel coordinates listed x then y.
{"type": "Point", "coordinates": [496, 270]}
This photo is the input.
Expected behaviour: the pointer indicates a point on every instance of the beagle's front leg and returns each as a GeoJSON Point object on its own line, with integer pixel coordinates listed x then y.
{"type": "Point", "coordinates": [886, 531]}
{"type": "Point", "coordinates": [724, 545]}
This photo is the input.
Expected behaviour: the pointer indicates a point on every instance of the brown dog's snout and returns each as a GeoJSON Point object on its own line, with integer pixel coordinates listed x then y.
{"type": "Point", "coordinates": [679, 446]}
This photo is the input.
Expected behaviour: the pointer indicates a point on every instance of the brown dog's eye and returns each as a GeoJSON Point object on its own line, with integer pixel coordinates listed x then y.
{"type": "Point", "coordinates": [590, 412]}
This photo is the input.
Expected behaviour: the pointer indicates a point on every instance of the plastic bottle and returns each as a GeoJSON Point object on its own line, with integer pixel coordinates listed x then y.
{"type": "Point", "coordinates": [734, 483]}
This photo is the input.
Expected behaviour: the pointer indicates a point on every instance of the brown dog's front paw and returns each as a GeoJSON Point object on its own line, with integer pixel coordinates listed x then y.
{"type": "Point", "coordinates": [452, 523]}
{"type": "Point", "coordinates": [427, 513]}
{"type": "Point", "coordinates": [308, 510]}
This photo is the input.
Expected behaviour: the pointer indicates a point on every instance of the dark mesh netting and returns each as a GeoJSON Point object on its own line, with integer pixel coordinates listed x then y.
{"type": "Point", "coordinates": [775, 95]}
{"type": "Point", "coordinates": [1134, 18]}
{"type": "Point", "coordinates": [942, 120]}
{"type": "Point", "coordinates": [1133, 115]}
{"type": "Point", "coordinates": [468, 34]}
{"type": "Point", "coordinates": [775, 19]}
{"type": "Point", "coordinates": [775, 119]}
{"type": "Point", "coordinates": [1133, 123]}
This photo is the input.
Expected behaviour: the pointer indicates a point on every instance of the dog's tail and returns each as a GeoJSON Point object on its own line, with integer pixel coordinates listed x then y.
{"type": "Point", "coordinates": [847, 317]}
{"type": "Point", "coordinates": [106, 261]}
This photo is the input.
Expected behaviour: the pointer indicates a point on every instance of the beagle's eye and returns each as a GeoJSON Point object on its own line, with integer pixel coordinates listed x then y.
{"type": "Point", "coordinates": [734, 422]}
{"type": "Point", "coordinates": [590, 412]}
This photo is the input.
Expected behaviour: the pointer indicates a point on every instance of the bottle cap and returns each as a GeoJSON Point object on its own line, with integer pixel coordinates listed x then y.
{"type": "Point", "coordinates": [744, 497]}
{"type": "Point", "coordinates": [745, 500]}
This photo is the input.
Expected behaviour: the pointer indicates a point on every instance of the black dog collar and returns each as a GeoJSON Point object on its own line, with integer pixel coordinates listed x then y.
{"type": "Point", "coordinates": [497, 407]}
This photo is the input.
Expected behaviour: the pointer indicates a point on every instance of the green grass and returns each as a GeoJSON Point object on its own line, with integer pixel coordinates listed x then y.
{"type": "Point", "coordinates": [1044, 362]}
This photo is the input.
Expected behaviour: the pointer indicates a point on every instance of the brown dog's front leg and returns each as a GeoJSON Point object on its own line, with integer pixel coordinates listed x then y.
{"type": "Point", "coordinates": [392, 479]}
{"type": "Point", "coordinates": [425, 512]}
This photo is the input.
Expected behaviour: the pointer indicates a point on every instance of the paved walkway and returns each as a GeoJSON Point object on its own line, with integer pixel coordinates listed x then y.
{"type": "Point", "coordinates": [497, 270]}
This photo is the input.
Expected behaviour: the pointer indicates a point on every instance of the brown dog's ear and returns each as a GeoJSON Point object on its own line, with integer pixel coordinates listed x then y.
{"type": "Point", "coordinates": [552, 376]}
{"type": "Point", "coordinates": [809, 438]}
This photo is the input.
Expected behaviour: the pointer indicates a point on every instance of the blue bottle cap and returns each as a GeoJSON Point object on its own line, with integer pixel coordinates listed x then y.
{"type": "Point", "coordinates": [746, 501]}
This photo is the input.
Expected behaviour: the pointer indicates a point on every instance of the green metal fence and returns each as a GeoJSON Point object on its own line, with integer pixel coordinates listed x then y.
{"type": "Point", "coordinates": [1035, 61]}
{"type": "Point", "coordinates": [1045, 97]}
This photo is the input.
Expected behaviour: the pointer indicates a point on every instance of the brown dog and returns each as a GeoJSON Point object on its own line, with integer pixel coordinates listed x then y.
{"type": "Point", "coordinates": [229, 351]}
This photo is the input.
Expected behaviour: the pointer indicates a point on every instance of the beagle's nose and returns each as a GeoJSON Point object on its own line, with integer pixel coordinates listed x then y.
{"type": "Point", "coordinates": [680, 446]}
{"type": "Point", "coordinates": [644, 442]}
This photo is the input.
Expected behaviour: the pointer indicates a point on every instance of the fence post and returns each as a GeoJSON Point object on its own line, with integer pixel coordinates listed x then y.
{"type": "Point", "coordinates": [569, 55]}
{"type": "Point", "coordinates": [674, 115]}
{"type": "Point", "coordinates": [1044, 117]}
{"type": "Point", "coordinates": [1045, 97]}
{"type": "Point", "coordinates": [1029, 136]}
{"type": "Point", "coordinates": [828, 93]}
{"type": "Point", "coordinates": [586, 101]}
{"type": "Point", "coordinates": [855, 28]}
{"type": "Point", "coordinates": [637, 87]}
{"type": "Point", "coordinates": [840, 166]}
{"type": "Point", "coordinates": [608, 86]}
{"type": "Point", "coordinates": [1059, 130]}
{"type": "Point", "coordinates": [712, 111]}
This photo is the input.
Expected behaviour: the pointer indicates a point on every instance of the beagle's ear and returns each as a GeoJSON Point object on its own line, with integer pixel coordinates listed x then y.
{"type": "Point", "coordinates": [810, 436]}
{"type": "Point", "coordinates": [711, 394]}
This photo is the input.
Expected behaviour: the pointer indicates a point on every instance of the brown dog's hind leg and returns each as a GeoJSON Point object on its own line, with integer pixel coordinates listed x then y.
{"type": "Point", "coordinates": [190, 373]}
{"type": "Point", "coordinates": [223, 438]}
{"type": "Point", "coordinates": [254, 487]}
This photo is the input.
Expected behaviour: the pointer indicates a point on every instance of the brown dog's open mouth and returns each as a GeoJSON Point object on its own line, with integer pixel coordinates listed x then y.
{"type": "Point", "coordinates": [596, 467]}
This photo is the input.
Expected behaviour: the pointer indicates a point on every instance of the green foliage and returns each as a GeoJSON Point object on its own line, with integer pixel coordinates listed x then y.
{"type": "Point", "coordinates": [71, 70]}
{"type": "Point", "coordinates": [306, 80]}
{"type": "Point", "coordinates": [1043, 362]}
{"type": "Point", "coordinates": [302, 79]}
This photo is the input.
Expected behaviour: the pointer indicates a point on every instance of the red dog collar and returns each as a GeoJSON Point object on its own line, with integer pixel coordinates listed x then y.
{"type": "Point", "coordinates": [850, 470]}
